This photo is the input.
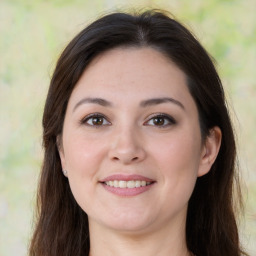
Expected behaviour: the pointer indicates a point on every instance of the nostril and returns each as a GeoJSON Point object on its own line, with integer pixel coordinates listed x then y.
{"type": "Point", "coordinates": [126, 156]}
{"type": "Point", "coordinates": [134, 159]}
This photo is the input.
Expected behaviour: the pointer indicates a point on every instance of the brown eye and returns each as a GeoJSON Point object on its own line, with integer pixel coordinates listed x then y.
{"type": "Point", "coordinates": [95, 120]}
{"type": "Point", "coordinates": [158, 121]}
{"type": "Point", "coordinates": [161, 121]}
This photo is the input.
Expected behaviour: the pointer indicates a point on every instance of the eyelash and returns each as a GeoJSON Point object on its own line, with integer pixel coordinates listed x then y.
{"type": "Point", "coordinates": [168, 120]}
{"type": "Point", "coordinates": [94, 116]}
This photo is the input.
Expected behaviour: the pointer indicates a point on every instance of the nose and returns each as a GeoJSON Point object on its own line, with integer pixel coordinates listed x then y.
{"type": "Point", "coordinates": [127, 147]}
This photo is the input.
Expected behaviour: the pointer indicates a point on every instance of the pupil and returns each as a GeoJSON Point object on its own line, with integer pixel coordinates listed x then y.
{"type": "Point", "coordinates": [158, 121]}
{"type": "Point", "coordinates": [97, 120]}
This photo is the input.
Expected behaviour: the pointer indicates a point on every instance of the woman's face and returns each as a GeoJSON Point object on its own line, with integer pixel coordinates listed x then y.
{"type": "Point", "coordinates": [131, 141]}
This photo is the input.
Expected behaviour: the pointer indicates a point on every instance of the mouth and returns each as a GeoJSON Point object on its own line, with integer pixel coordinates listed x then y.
{"type": "Point", "coordinates": [127, 185]}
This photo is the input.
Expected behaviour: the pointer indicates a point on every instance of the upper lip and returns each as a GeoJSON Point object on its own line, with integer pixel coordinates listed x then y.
{"type": "Point", "coordinates": [126, 177]}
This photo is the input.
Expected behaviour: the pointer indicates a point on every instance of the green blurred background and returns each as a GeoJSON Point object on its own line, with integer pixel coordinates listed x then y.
{"type": "Point", "coordinates": [32, 35]}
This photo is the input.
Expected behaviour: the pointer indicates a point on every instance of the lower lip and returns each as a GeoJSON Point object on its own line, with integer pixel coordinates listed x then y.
{"type": "Point", "coordinates": [127, 191]}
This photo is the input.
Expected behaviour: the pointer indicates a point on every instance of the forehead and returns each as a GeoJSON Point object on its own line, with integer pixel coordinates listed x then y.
{"type": "Point", "coordinates": [132, 71]}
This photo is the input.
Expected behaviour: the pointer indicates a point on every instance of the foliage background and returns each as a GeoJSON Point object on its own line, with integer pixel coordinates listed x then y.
{"type": "Point", "coordinates": [32, 34]}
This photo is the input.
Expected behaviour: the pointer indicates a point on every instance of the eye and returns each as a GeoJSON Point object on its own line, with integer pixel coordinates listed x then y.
{"type": "Point", "coordinates": [95, 120]}
{"type": "Point", "coordinates": [161, 120]}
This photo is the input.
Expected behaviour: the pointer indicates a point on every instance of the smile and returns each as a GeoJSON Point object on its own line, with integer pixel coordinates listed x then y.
{"type": "Point", "coordinates": [127, 184]}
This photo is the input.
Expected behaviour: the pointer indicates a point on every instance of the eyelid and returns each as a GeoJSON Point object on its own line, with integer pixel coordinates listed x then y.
{"type": "Point", "coordinates": [170, 119]}
{"type": "Point", "coordinates": [85, 119]}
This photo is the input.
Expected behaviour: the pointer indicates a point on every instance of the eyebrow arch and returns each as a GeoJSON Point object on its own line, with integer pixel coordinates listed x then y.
{"type": "Point", "coordinates": [144, 103]}
{"type": "Point", "coordinates": [156, 101]}
{"type": "Point", "coordinates": [98, 101]}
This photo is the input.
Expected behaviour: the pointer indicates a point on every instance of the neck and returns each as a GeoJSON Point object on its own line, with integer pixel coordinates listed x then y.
{"type": "Point", "coordinates": [164, 242]}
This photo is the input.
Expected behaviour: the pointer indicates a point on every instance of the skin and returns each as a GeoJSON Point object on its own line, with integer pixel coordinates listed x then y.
{"type": "Point", "coordinates": [126, 139]}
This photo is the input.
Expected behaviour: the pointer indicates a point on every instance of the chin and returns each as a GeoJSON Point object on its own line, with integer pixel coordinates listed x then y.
{"type": "Point", "coordinates": [128, 223]}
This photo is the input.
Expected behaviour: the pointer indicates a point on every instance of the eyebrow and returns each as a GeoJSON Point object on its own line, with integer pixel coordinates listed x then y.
{"type": "Point", "coordinates": [156, 101]}
{"type": "Point", "coordinates": [98, 101]}
{"type": "Point", "coordinates": [144, 103]}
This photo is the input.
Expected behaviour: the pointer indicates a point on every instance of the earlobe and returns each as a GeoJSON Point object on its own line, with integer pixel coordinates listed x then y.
{"type": "Point", "coordinates": [210, 150]}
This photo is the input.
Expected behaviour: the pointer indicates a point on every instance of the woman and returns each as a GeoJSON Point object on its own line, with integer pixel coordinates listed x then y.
{"type": "Point", "coordinates": [139, 146]}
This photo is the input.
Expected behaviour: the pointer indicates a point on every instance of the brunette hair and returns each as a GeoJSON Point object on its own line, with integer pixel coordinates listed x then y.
{"type": "Point", "coordinates": [211, 228]}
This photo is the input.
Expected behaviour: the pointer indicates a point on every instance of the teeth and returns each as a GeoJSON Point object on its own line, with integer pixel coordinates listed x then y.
{"type": "Point", "coordinates": [122, 184]}
{"type": "Point", "coordinates": [115, 183]}
{"type": "Point", "coordinates": [127, 184]}
{"type": "Point", "coordinates": [130, 184]}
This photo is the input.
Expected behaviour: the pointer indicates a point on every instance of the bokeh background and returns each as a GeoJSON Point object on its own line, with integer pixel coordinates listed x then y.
{"type": "Point", "coordinates": [32, 35]}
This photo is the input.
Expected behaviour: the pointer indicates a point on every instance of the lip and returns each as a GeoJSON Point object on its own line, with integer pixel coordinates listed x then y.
{"type": "Point", "coordinates": [126, 177]}
{"type": "Point", "coordinates": [127, 192]}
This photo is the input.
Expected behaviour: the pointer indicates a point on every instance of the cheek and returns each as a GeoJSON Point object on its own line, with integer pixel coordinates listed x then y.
{"type": "Point", "coordinates": [83, 155]}
{"type": "Point", "coordinates": [179, 151]}
{"type": "Point", "coordinates": [83, 158]}
{"type": "Point", "coordinates": [178, 159]}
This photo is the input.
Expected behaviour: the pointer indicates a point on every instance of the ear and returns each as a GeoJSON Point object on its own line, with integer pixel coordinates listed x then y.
{"type": "Point", "coordinates": [61, 151]}
{"type": "Point", "coordinates": [210, 151]}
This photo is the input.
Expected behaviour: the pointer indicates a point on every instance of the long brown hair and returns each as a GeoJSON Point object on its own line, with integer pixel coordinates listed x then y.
{"type": "Point", "coordinates": [62, 226]}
